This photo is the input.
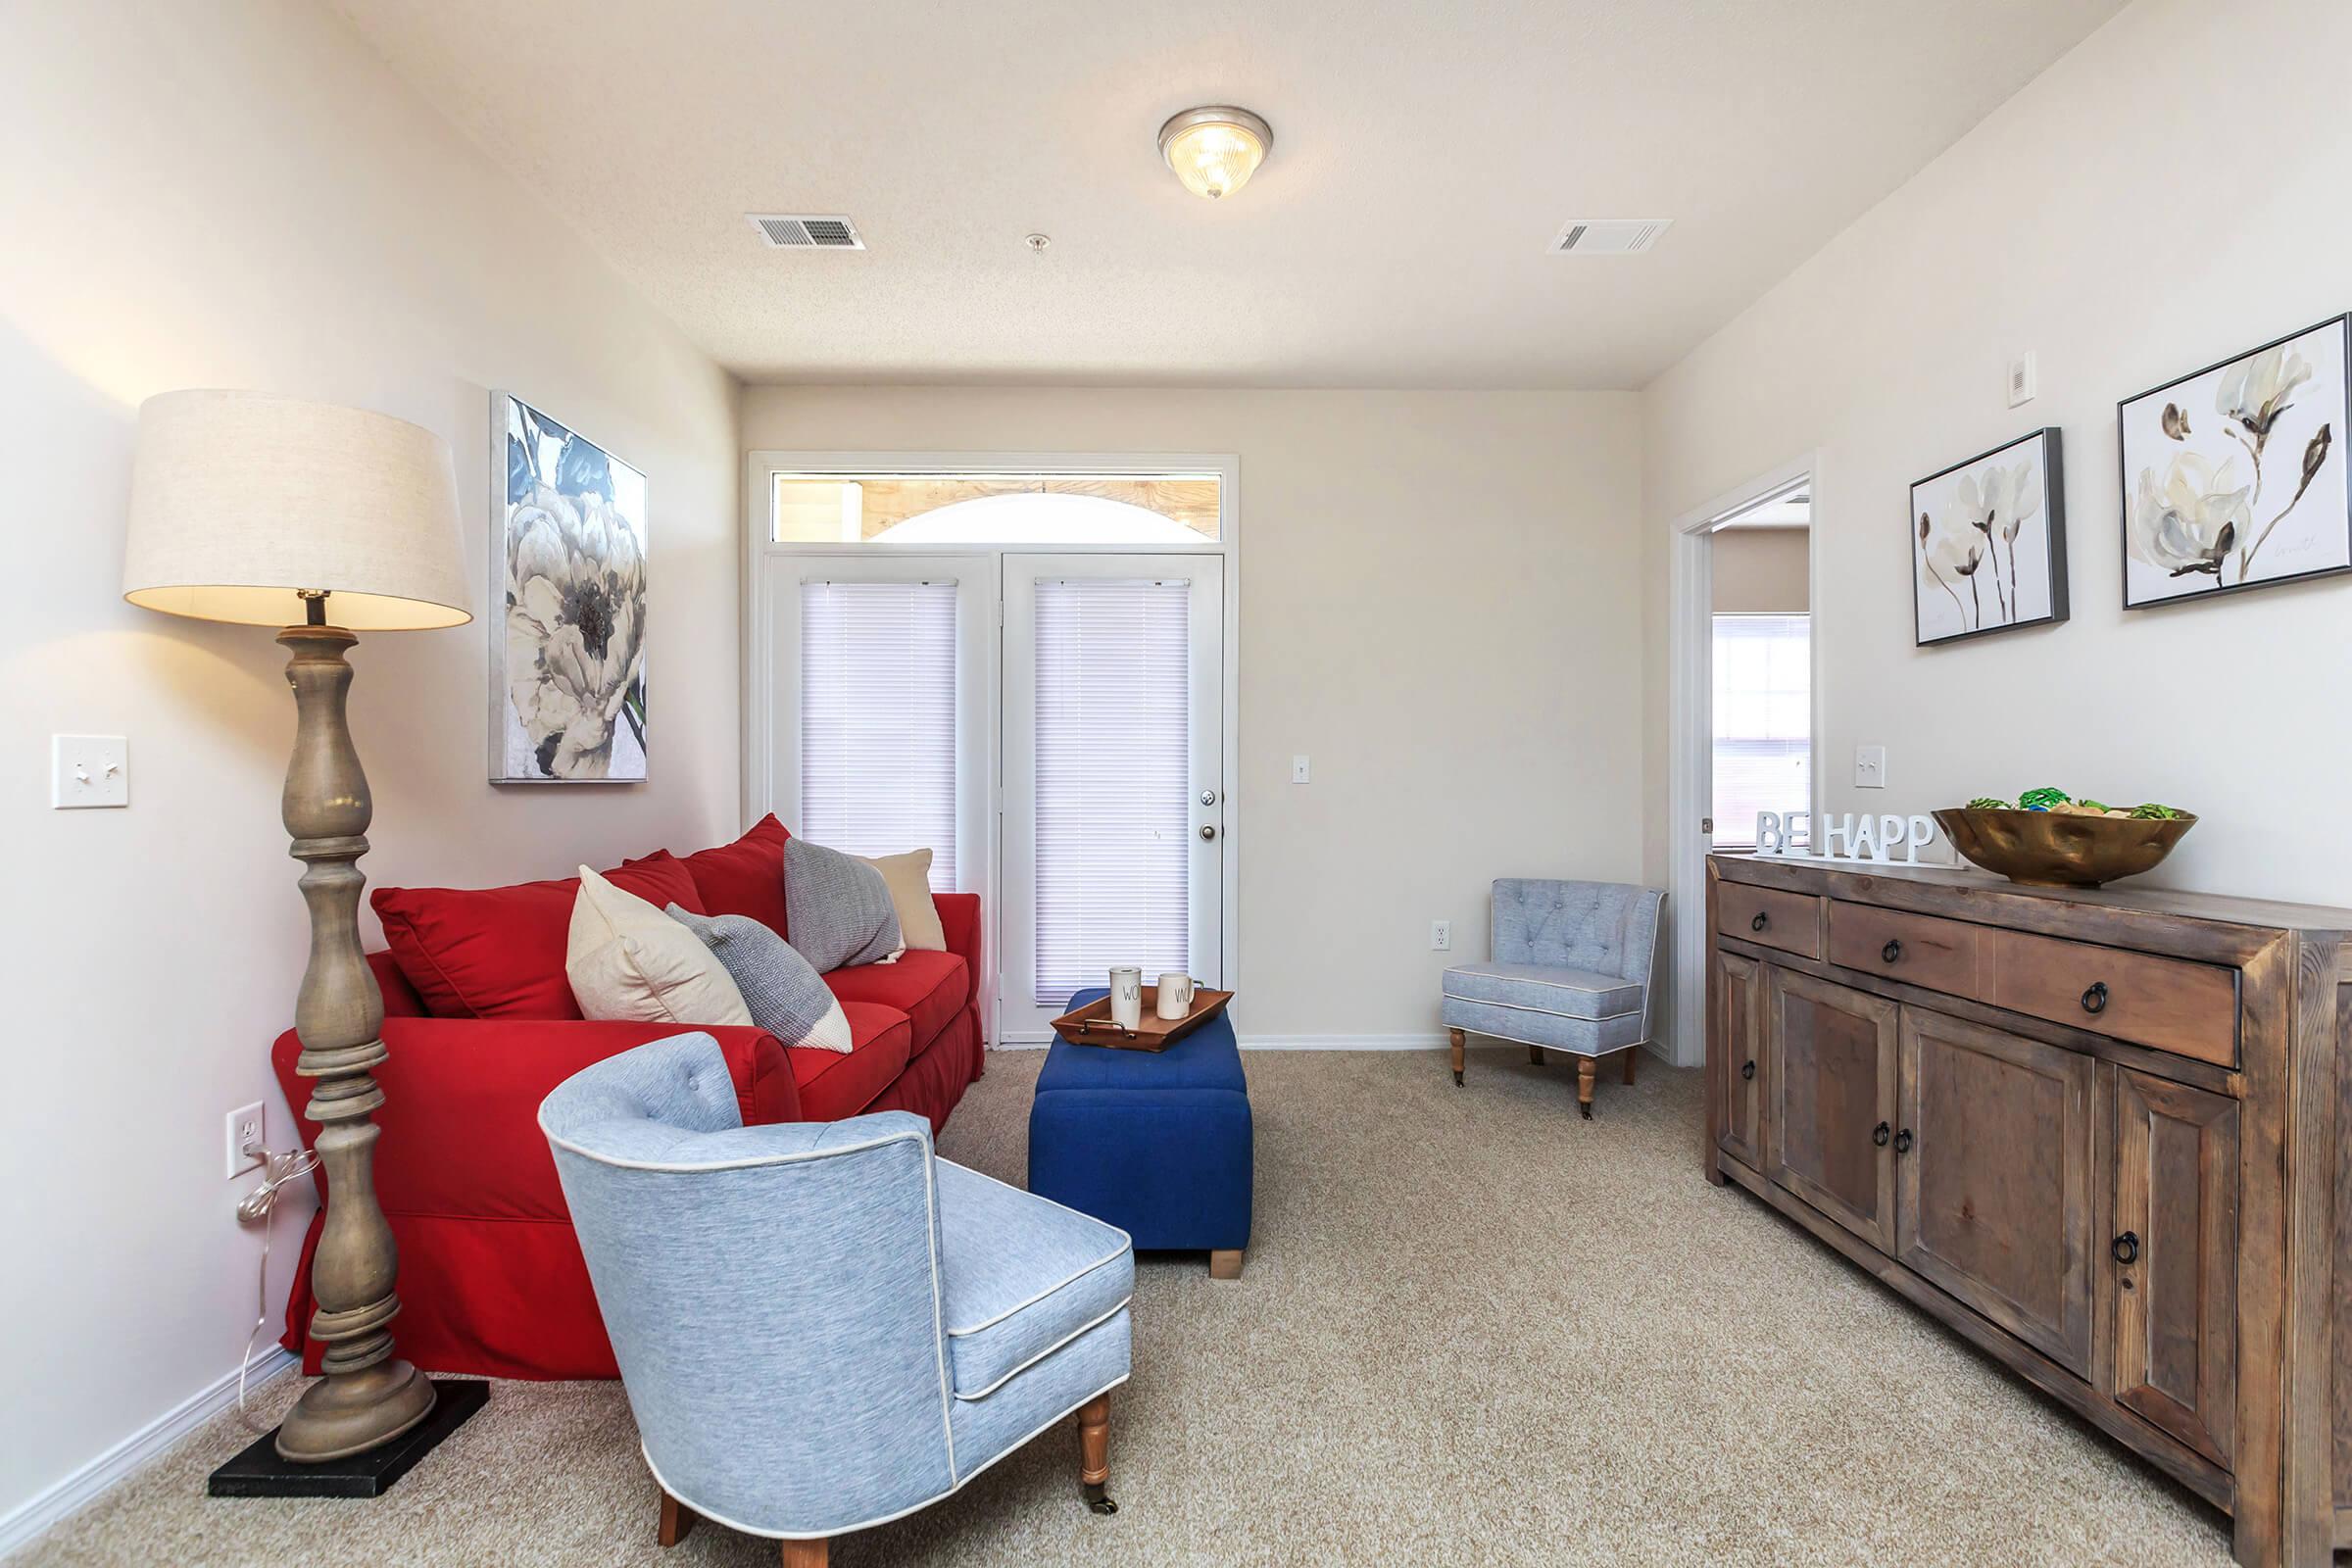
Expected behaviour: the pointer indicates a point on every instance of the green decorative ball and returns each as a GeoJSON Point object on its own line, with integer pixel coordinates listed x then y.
{"type": "Point", "coordinates": [1985, 802]}
{"type": "Point", "coordinates": [2153, 813]}
{"type": "Point", "coordinates": [2042, 800]}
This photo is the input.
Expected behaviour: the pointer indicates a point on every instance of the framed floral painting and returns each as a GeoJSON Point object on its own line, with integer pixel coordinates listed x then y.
{"type": "Point", "coordinates": [1989, 543]}
{"type": "Point", "coordinates": [2231, 477]}
{"type": "Point", "coordinates": [567, 566]}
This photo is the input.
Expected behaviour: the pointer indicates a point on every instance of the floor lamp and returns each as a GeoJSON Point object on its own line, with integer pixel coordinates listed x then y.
{"type": "Point", "coordinates": [327, 521]}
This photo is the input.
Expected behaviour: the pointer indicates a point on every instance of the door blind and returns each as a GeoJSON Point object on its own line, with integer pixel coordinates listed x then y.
{"type": "Point", "coordinates": [878, 719]}
{"type": "Point", "coordinates": [1113, 750]}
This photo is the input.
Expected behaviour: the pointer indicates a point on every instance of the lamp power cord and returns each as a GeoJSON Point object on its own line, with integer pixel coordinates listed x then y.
{"type": "Point", "coordinates": [257, 1208]}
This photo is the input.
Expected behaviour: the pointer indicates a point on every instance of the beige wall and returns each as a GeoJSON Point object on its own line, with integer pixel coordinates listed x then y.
{"type": "Point", "coordinates": [1761, 571]}
{"type": "Point", "coordinates": [2125, 242]}
{"type": "Point", "coordinates": [1465, 674]}
{"type": "Point", "coordinates": [239, 194]}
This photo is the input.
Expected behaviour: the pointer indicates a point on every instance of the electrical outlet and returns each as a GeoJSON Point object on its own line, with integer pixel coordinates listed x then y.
{"type": "Point", "coordinates": [1440, 936]}
{"type": "Point", "coordinates": [245, 1129]}
{"type": "Point", "coordinates": [1870, 767]}
{"type": "Point", "coordinates": [1298, 768]}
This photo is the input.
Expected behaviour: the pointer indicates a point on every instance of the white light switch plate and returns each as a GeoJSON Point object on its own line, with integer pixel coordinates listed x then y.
{"type": "Point", "coordinates": [87, 770]}
{"type": "Point", "coordinates": [1298, 768]}
{"type": "Point", "coordinates": [2024, 380]}
{"type": "Point", "coordinates": [1870, 767]}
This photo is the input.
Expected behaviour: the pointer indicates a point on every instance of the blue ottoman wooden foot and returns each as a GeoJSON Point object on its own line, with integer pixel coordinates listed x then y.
{"type": "Point", "coordinates": [1156, 1143]}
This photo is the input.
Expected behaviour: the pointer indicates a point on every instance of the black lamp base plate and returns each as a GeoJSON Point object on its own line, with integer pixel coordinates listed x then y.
{"type": "Point", "coordinates": [260, 1472]}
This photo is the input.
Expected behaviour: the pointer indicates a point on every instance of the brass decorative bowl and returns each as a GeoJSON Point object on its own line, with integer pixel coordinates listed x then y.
{"type": "Point", "coordinates": [2059, 848]}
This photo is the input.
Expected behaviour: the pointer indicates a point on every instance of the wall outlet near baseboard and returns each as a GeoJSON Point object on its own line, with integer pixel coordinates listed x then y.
{"type": "Point", "coordinates": [1440, 936]}
{"type": "Point", "coordinates": [245, 1128]}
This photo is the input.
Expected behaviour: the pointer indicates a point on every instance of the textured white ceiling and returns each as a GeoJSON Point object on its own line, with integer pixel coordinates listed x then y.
{"type": "Point", "coordinates": [1425, 156]}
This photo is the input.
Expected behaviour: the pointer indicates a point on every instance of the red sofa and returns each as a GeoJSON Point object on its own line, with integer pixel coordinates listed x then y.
{"type": "Point", "coordinates": [480, 1025]}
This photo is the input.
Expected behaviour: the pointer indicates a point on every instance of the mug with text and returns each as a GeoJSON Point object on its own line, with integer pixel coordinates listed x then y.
{"type": "Point", "coordinates": [1175, 998]}
{"type": "Point", "coordinates": [1127, 997]}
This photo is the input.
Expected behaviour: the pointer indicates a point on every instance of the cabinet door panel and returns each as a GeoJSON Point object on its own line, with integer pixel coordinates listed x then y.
{"type": "Point", "coordinates": [1993, 1191]}
{"type": "Point", "coordinates": [1828, 1084]}
{"type": "Point", "coordinates": [1737, 1019]}
{"type": "Point", "coordinates": [2175, 1298]}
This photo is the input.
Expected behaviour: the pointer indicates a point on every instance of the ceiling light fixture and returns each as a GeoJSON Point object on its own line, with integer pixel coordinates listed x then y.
{"type": "Point", "coordinates": [1215, 150]}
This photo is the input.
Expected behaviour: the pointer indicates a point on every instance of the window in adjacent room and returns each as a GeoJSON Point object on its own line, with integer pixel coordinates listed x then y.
{"type": "Point", "coordinates": [1763, 722]}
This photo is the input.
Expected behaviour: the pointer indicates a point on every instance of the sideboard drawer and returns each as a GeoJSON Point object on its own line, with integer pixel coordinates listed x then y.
{"type": "Point", "coordinates": [2170, 1003]}
{"type": "Point", "coordinates": [1789, 921]}
{"type": "Point", "coordinates": [1941, 954]}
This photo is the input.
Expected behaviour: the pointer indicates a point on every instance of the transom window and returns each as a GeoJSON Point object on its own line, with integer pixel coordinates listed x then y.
{"type": "Point", "coordinates": [1039, 509]}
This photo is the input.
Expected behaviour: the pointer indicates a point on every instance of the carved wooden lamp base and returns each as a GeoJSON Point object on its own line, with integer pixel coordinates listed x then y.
{"type": "Point", "coordinates": [368, 1398]}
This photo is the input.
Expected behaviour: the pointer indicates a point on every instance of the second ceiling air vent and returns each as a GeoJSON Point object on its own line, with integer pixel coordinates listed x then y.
{"type": "Point", "coordinates": [789, 231]}
{"type": "Point", "coordinates": [1609, 236]}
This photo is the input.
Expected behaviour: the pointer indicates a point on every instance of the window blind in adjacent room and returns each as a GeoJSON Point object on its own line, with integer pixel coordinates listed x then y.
{"type": "Point", "coordinates": [1763, 722]}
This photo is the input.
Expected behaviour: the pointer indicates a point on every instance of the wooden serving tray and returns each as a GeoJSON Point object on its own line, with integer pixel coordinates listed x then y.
{"type": "Point", "coordinates": [1091, 1024]}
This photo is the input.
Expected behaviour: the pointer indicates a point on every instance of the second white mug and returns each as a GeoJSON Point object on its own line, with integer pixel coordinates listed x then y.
{"type": "Point", "coordinates": [1175, 996]}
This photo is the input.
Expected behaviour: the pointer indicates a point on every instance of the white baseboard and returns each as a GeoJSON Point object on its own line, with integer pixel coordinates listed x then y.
{"type": "Point", "coordinates": [1425, 1042]}
{"type": "Point", "coordinates": [1414, 1041]}
{"type": "Point", "coordinates": [45, 1509]}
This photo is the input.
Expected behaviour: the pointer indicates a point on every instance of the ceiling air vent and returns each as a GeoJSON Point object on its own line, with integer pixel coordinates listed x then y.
{"type": "Point", "coordinates": [785, 231]}
{"type": "Point", "coordinates": [1609, 236]}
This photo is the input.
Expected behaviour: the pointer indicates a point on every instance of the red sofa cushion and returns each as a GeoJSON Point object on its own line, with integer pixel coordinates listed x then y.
{"type": "Point", "coordinates": [834, 1085]}
{"type": "Point", "coordinates": [498, 952]}
{"type": "Point", "coordinates": [929, 988]}
{"type": "Point", "coordinates": [744, 877]}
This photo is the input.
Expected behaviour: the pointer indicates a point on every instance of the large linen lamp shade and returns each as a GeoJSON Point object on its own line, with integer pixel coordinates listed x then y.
{"type": "Point", "coordinates": [242, 502]}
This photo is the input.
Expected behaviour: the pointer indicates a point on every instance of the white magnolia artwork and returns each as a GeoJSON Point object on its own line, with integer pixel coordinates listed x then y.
{"type": "Point", "coordinates": [2232, 477]}
{"type": "Point", "coordinates": [1988, 542]}
{"type": "Point", "coordinates": [567, 565]}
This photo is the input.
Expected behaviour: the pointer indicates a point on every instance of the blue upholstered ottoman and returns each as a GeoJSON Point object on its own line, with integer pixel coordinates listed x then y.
{"type": "Point", "coordinates": [1156, 1143]}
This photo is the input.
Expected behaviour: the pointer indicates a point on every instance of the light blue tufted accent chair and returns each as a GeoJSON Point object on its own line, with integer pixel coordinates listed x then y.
{"type": "Point", "coordinates": [820, 1326]}
{"type": "Point", "coordinates": [1575, 968]}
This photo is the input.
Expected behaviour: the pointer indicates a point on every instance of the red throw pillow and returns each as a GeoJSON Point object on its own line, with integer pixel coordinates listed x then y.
{"type": "Point", "coordinates": [744, 877]}
{"type": "Point", "coordinates": [498, 952]}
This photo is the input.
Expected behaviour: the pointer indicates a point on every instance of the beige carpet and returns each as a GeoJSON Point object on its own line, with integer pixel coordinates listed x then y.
{"type": "Point", "coordinates": [1472, 1330]}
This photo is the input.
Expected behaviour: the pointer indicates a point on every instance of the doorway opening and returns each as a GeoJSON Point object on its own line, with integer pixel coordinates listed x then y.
{"type": "Point", "coordinates": [1745, 721]}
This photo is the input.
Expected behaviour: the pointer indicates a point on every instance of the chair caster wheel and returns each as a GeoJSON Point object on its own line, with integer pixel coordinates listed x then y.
{"type": "Point", "coordinates": [1457, 1077]}
{"type": "Point", "coordinates": [1096, 1500]}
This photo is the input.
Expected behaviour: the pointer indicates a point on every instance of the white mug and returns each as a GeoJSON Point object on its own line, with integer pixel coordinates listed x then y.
{"type": "Point", "coordinates": [1127, 997]}
{"type": "Point", "coordinates": [1175, 996]}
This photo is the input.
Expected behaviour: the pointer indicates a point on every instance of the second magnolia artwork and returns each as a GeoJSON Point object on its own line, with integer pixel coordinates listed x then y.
{"type": "Point", "coordinates": [2231, 475]}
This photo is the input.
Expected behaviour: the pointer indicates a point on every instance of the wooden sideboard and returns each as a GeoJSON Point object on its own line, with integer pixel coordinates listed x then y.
{"type": "Point", "coordinates": [2094, 1132]}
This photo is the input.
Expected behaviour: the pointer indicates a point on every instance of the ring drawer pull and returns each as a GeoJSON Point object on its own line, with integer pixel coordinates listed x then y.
{"type": "Point", "coordinates": [1760, 921]}
{"type": "Point", "coordinates": [1879, 1134]}
{"type": "Point", "coordinates": [1747, 1069]}
{"type": "Point", "coordinates": [2095, 999]}
{"type": "Point", "coordinates": [2126, 1248]}
{"type": "Point", "coordinates": [1902, 1142]}
{"type": "Point", "coordinates": [1893, 952]}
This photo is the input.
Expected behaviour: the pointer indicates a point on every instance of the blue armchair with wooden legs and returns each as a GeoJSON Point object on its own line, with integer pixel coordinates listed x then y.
{"type": "Point", "coordinates": [821, 1326]}
{"type": "Point", "coordinates": [1575, 968]}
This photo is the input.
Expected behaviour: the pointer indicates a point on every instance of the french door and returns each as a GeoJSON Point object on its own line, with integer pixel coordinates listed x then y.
{"type": "Point", "coordinates": [1112, 684]}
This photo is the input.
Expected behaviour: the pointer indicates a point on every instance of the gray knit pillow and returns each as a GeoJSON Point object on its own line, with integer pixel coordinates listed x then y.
{"type": "Point", "coordinates": [838, 908]}
{"type": "Point", "coordinates": [785, 996]}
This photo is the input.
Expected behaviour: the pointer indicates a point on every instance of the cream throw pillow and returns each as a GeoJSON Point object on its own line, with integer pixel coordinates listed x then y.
{"type": "Point", "coordinates": [908, 878]}
{"type": "Point", "coordinates": [627, 959]}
